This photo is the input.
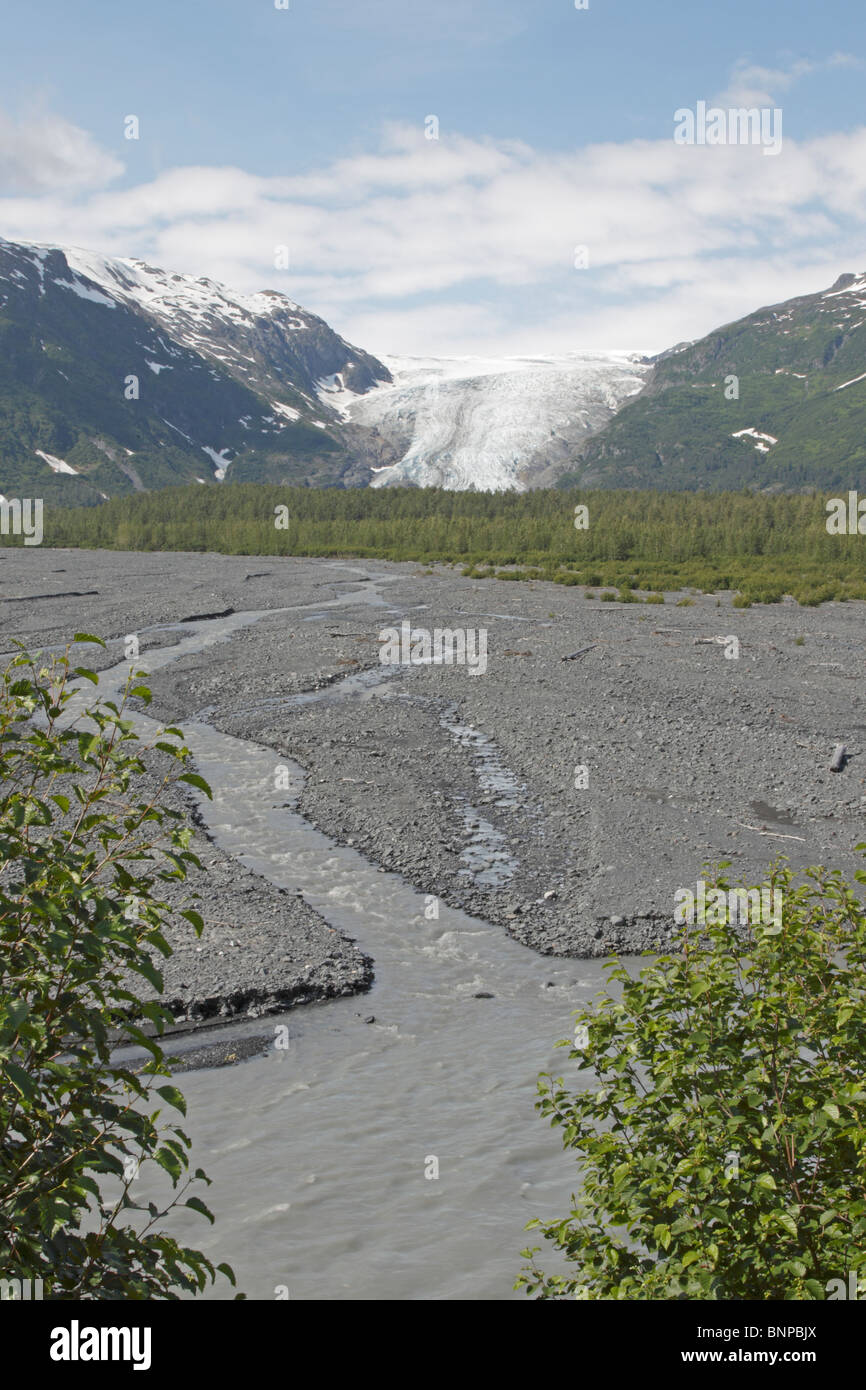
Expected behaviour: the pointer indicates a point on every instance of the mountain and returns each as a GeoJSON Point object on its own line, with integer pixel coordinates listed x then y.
{"type": "Point", "coordinates": [491, 423]}
{"type": "Point", "coordinates": [799, 420]}
{"type": "Point", "coordinates": [116, 376]}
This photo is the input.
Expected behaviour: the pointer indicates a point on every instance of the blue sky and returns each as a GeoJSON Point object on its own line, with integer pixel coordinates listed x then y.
{"type": "Point", "coordinates": [305, 127]}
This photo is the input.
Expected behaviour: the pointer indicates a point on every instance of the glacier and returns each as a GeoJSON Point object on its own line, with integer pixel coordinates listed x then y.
{"type": "Point", "coordinates": [489, 423]}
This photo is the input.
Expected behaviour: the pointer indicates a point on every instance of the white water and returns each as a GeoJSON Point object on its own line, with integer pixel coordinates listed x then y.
{"type": "Point", "coordinates": [318, 1153]}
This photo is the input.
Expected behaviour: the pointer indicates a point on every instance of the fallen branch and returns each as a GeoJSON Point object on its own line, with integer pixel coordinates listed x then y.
{"type": "Point", "coordinates": [574, 655]}
{"type": "Point", "coordinates": [773, 833]}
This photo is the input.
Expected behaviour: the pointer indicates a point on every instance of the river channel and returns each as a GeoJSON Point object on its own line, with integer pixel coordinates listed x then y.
{"type": "Point", "coordinates": [392, 1159]}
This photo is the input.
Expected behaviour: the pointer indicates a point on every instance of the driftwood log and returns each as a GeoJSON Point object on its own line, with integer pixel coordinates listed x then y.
{"type": "Point", "coordinates": [574, 655]}
{"type": "Point", "coordinates": [837, 762]}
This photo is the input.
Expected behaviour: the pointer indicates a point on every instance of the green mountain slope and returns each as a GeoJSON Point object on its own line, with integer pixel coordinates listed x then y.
{"type": "Point", "coordinates": [797, 366]}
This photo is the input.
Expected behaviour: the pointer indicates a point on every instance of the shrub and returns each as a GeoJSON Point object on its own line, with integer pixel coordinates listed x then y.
{"type": "Point", "coordinates": [722, 1147]}
{"type": "Point", "coordinates": [81, 857]}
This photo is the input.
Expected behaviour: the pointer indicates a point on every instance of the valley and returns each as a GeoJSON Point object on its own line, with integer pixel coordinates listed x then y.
{"type": "Point", "coordinates": [409, 849]}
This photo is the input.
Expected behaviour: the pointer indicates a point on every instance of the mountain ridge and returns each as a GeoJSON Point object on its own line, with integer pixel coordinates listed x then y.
{"type": "Point", "coordinates": [117, 376]}
{"type": "Point", "coordinates": [104, 361]}
{"type": "Point", "coordinates": [783, 368]}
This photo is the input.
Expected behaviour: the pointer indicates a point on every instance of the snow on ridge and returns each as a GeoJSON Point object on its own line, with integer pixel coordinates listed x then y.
{"type": "Point", "coordinates": [85, 292]}
{"type": "Point", "coordinates": [167, 294]}
{"type": "Point", "coordinates": [856, 286]}
{"type": "Point", "coordinates": [38, 259]}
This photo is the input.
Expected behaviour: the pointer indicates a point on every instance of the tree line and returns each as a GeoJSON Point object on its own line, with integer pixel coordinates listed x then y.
{"type": "Point", "coordinates": [761, 545]}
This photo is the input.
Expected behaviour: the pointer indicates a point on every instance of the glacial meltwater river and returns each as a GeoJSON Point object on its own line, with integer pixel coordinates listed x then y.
{"type": "Point", "coordinates": [321, 1154]}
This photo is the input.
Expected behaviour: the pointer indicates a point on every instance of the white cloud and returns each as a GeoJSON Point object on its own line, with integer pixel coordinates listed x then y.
{"type": "Point", "coordinates": [753, 85]}
{"type": "Point", "coordinates": [42, 151]}
{"type": "Point", "coordinates": [467, 245]}
{"type": "Point", "coordinates": [436, 330]}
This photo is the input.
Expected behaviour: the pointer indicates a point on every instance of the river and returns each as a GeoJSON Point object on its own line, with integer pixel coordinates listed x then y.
{"type": "Point", "coordinates": [324, 1155]}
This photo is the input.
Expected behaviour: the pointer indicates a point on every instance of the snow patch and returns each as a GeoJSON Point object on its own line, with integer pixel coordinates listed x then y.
{"type": "Point", "coordinates": [172, 427]}
{"type": "Point", "coordinates": [57, 465]}
{"type": "Point", "coordinates": [85, 292]}
{"type": "Point", "coordinates": [219, 459]}
{"type": "Point", "coordinates": [37, 258]}
{"type": "Point", "coordinates": [752, 433]}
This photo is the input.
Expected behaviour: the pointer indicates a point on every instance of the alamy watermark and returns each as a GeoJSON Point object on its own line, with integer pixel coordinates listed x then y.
{"type": "Point", "coordinates": [758, 906]}
{"type": "Point", "coordinates": [737, 126]}
{"type": "Point", "coordinates": [22, 517]}
{"type": "Point", "coordinates": [846, 519]}
{"type": "Point", "coordinates": [417, 646]}
{"type": "Point", "coordinates": [21, 1290]}
{"type": "Point", "coordinates": [841, 1289]}
{"type": "Point", "coordinates": [77, 1343]}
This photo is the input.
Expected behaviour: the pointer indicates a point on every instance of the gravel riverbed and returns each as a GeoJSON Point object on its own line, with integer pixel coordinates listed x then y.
{"type": "Point", "coordinates": [565, 800]}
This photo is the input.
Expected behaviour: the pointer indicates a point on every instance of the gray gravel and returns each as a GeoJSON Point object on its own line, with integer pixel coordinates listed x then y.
{"type": "Point", "coordinates": [692, 758]}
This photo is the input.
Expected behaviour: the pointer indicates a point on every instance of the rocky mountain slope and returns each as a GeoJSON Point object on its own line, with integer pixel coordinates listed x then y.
{"type": "Point", "coordinates": [116, 376]}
